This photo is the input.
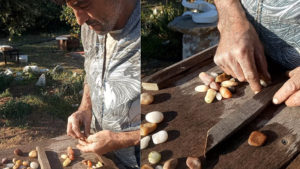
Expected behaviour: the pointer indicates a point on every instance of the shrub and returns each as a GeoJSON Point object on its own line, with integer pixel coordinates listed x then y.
{"type": "Point", "coordinates": [15, 110]}
{"type": "Point", "coordinates": [68, 16]}
{"type": "Point", "coordinates": [5, 81]}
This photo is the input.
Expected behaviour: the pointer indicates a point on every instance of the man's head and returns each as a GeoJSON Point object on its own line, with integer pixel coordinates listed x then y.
{"type": "Point", "coordinates": [101, 15]}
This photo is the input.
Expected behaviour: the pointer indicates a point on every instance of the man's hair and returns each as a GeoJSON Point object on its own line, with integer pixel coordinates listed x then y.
{"type": "Point", "coordinates": [59, 2]}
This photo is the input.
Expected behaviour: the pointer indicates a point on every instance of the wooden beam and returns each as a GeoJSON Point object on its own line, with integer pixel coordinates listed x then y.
{"type": "Point", "coordinates": [160, 79]}
{"type": "Point", "coordinates": [42, 158]}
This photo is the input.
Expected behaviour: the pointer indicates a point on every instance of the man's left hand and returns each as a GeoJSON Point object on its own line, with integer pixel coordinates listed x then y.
{"type": "Point", "coordinates": [290, 91]}
{"type": "Point", "coordinates": [100, 142]}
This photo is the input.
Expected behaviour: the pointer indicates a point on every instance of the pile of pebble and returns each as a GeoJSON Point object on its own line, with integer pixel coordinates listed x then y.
{"type": "Point", "coordinates": [153, 119]}
{"type": "Point", "coordinates": [16, 163]}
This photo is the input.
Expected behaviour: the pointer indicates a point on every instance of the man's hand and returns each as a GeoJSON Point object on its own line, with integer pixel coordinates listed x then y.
{"type": "Point", "coordinates": [107, 141]}
{"type": "Point", "coordinates": [76, 120]}
{"type": "Point", "coordinates": [240, 52]}
{"type": "Point", "coordinates": [290, 91]}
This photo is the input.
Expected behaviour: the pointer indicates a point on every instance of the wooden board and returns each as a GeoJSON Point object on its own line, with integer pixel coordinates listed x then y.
{"type": "Point", "coordinates": [295, 164]}
{"type": "Point", "coordinates": [188, 118]}
{"type": "Point", "coordinates": [42, 158]}
{"type": "Point", "coordinates": [53, 149]}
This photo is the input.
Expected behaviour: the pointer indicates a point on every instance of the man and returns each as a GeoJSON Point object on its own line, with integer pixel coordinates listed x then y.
{"type": "Point", "coordinates": [110, 105]}
{"type": "Point", "coordinates": [241, 50]}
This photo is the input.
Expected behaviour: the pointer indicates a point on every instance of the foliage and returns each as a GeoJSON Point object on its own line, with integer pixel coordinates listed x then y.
{"type": "Point", "coordinates": [6, 93]}
{"type": "Point", "coordinates": [5, 81]}
{"type": "Point", "coordinates": [15, 110]}
{"type": "Point", "coordinates": [158, 40]}
{"type": "Point", "coordinates": [17, 16]}
{"type": "Point", "coordinates": [68, 16]}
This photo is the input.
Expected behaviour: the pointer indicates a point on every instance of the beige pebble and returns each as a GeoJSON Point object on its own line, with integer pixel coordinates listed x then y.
{"type": "Point", "coordinates": [201, 88]}
{"type": "Point", "coordinates": [34, 165]}
{"type": "Point", "coordinates": [229, 83]}
{"type": "Point", "coordinates": [263, 83]}
{"type": "Point", "coordinates": [210, 95]}
{"type": "Point", "coordinates": [144, 142]}
{"type": "Point", "coordinates": [154, 117]}
{"type": "Point", "coordinates": [64, 156]}
{"type": "Point", "coordinates": [25, 163]}
{"type": "Point", "coordinates": [193, 163]}
{"type": "Point", "coordinates": [14, 160]}
{"type": "Point", "coordinates": [206, 78]}
{"type": "Point", "coordinates": [67, 162]}
{"type": "Point", "coordinates": [170, 164]}
{"type": "Point", "coordinates": [225, 92]}
{"type": "Point", "coordinates": [214, 85]}
{"type": "Point", "coordinates": [154, 157]}
{"type": "Point", "coordinates": [257, 139]}
{"type": "Point", "coordinates": [146, 98]}
{"type": "Point", "coordinates": [18, 163]}
{"type": "Point", "coordinates": [146, 166]}
{"type": "Point", "coordinates": [222, 77]}
{"type": "Point", "coordinates": [147, 128]}
{"type": "Point", "coordinates": [32, 154]}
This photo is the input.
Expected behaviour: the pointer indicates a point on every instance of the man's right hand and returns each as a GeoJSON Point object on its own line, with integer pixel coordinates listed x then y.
{"type": "Point", "coordinates": [240, 52]}
{"type": "Point", "coordinates": [78, 119]}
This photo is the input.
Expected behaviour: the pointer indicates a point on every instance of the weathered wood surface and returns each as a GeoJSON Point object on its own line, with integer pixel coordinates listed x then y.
{"type": "Point", "coordinates": [42, 158]}
{"type": "Point", "coordinates": [57, 146]}
{"type": "Point", "coordinates": [188, 118]}
{"type": "Point", "coordinates": [166, 77]}
{"type": "Point", "coordinates": [295, 164]}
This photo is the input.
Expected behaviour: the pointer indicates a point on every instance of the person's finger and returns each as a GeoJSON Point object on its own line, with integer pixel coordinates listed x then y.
{"type": "Point", "coordinates": [290, 87]}
{"type": "Point", "coordinates": [84, 143]}
{"type": "Point", "coordinates": [85, 148]}
{"type": "Point", "coordinates": [294, 72]}
{"type": "Point", "coordinates": [262, 66]}
{"type": "Point", "coordinates": [250, 72]}
{"type": "Point", "coordinates": [293, 100]}
{"type": "Point", "coordinates": [87, 128]}
{"type": "Point", "coordinates": [70, 131]}
{"type": "Point", "coordinates": [76, 128]}
{"type": "Point", "coordinates": [236, 68]}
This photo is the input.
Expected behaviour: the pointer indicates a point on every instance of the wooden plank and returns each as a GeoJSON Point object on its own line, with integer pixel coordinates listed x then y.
{"type": "Point", "coordinates": [281, 124]}
{"type": "Point", "coordinates": [241, 117]}
{"type": "Point", "coordinates": [295, 164]}
{"type": "Point", "coordinates": [188, 118]}
{"type": "Point", "coordinates": [42, 158]}
{"type": "Point", "coordinates": [160, 79]}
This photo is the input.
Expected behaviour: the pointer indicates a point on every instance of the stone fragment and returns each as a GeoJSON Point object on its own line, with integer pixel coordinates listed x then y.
{"type": "Point", "coordinates": [257, 139]}
{"type": "Point", "coordinates": [225, 93]}
{"type": "Point", "coordinates": [160, 137]}
{"type": "Point", "coordinates": [34, 165]}
{"type": "Point", "coordinates": [193, 163]}
{"type": "Point", "coordinates": [206, 78]}
{"type": "Point", "coordinates": [170, 164]}
{"type": "Point", "coordinates": [145, 142]}
{"type": "Point", "coordinates": [147, 128]}
{"type": "Point", "coordinates": [201, 88]}
{"type": "Point", "coordinates": [214, 85]}
{"type": "Point", "coordinates": [146, 166]}
{"type": "Point", "coordinates": [222, 77]}
{"type": "Point", "coordinates": [18, 152]}
{"type": "Point", "coordinates": [32, 154]}
{"type": "Point", "coordinates": [210, 95]}
{"type": "Point", "coordinates": [154, 117]}
{"type": "Point", "coordinates": [229, 83]}
{"type": "Point", "coordinates": [154, 157]}
{"type": "Point", "coordinates": [146, 98]}
{"type": "Point", "coordinates": [219, 96]}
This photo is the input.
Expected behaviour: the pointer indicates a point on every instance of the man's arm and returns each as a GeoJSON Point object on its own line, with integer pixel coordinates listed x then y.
{"type": "Point", "coordinates": [240, 52]}
{"type": "Point", "coordinates": [82, 116]}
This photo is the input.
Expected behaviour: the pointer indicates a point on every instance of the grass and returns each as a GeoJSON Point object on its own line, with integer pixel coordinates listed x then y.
{"type": "Point", "coordinates": [61, 92]}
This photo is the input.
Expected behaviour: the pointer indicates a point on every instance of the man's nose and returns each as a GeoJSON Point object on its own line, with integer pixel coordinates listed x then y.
{"type": "Point", "coordinates": [81, 16]}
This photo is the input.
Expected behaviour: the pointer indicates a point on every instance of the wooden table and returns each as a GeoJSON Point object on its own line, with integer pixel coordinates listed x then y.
{"type": "Point", "coordinates": [9, 51]}
{"type": "Point", "coordinates": [188, 118]}
{"type": "Point", "coordinates": [57, 146]}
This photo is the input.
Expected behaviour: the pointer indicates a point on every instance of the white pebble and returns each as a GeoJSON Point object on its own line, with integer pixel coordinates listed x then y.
{"type": "Point", "coordinates": [201, 88]}
{"type": "Point", "coordinates": [219, 96]}
{"type": "Point", "coordinates": [154, 157]}
{"type": "Point", "coordinates": [158, 167]}
{"type": "Point", "coordinates": [263, 83]}
{"type": "Point", "coordinates": [64, 156]}
{"type": "Point", "coordinates": [232, 79]}
{"type": "Point", "coordinates": [160, 137]}
{"type": "Point", "coordinates": [34, 165]}
{"type": "Point", "coordinates": [145, 142]}
{"type": "Point", "coordinates": [214, 74]}
{"type": "Point", "coordinates": [154, 117]}
{"type": "Point", "coordinates": [10, 165]}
